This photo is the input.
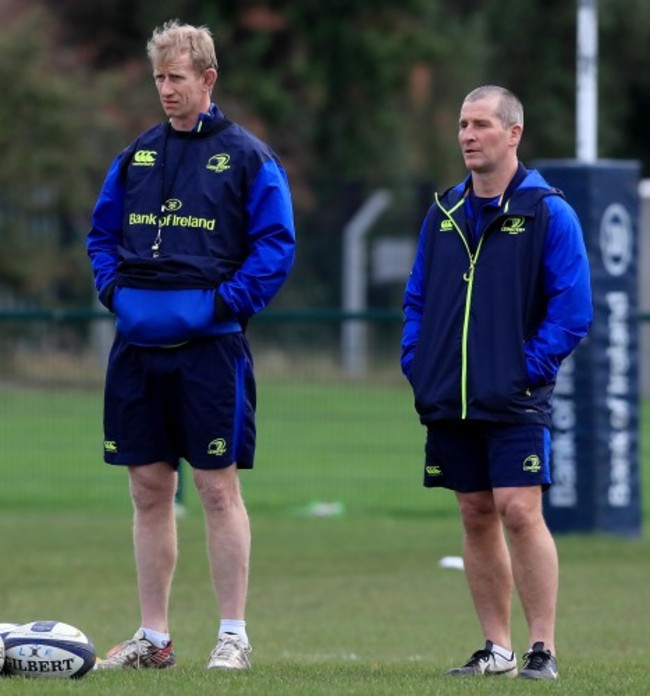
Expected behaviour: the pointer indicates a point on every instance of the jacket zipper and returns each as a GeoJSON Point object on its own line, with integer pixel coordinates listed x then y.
{"type": "Point", "coordinates": [468, 277]}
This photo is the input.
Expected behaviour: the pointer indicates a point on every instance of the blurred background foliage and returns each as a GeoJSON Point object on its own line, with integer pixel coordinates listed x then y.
{"type": "Point", "coordinates": [353, 94]}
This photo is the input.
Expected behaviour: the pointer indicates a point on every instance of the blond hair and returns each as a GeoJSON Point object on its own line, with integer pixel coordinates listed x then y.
{"type": "Point", "coordinates": [175, 38]}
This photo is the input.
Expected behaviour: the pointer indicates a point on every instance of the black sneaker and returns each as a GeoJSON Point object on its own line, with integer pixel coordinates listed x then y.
{"type": "Point", "coordinates": [487, 663]}
{"type": "Point", "coordinates": [539, 664]}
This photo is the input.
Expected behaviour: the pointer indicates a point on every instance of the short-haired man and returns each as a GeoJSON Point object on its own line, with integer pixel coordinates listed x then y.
{"type": "Point", "coordinates": [498, 296]}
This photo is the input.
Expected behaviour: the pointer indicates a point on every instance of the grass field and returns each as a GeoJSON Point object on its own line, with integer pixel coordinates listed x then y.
{"type": "Point", "coordinates": [349, 604]}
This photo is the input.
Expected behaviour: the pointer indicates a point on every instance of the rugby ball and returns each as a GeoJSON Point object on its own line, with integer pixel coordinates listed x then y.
{"type": "Point", "coordinates": [4, 629]}
{"type": "Point", "coordinates": [49, 649]}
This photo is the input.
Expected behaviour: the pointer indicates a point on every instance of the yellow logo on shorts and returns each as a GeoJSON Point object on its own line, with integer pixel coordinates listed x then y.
{"type": "Point", "coordinates": [532, 464]}
{"type": "Point", "coordinates": [433, 470]}
{"type": "Point", "coordinates": [217, 447]}
{"type": "Point", "coordinates": [110, 446]}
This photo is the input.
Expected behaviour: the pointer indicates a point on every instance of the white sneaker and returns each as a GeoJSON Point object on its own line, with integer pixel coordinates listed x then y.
{"type": "Point", "coordinates": [138, 653]}
{"type": "Point", "coordinates": [486, 662]}
{"type": "Point", "coordinates": [231, 652]}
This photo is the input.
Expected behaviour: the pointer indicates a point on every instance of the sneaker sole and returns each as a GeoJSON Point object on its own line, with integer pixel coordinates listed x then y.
{"type": "Point", "coordinates": [508, 674]}
{"type": "Point", "coordinates": [546, 677]}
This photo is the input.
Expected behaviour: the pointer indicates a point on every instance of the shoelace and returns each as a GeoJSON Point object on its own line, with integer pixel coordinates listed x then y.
{"type": "Point", "coordinates": [129, 647]}
{"type": "Point", "coordinates": [225, 649]}
{"type": "Point", "coordinates": [536, 660]}
{"type": "Point", "coordinates": [478, 656]}
{"type": "Point", "coordinates": [228, 649]}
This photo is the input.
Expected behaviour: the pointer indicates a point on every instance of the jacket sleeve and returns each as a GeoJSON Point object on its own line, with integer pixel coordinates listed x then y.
{"type": "Point", "coordinates": [106, 233]}
{"type": "Point", "coordinates": [567, 285]}
{"type": "Point", "coordinates": [271, 237]}
{"type": "Point", "coordinates": [413, 303]}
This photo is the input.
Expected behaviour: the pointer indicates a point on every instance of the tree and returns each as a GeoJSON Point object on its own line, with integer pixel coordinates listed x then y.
{"type": "Point", "coordinates": [351, 93]}
{"type": "Point", "coordinates": [49, 172]}
{"type": "Point", "coordinates": [624, 90]}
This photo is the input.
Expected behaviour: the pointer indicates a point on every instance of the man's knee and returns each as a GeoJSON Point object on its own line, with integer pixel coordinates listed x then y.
{"type": "Point", "coordinates": [152, 485]}
{"type": "Point", "coordinates": [218, 490]}
{"type": "Point", "coordinates": [520, 511]}
{"type": "Point", "coordinates": [478, 512]}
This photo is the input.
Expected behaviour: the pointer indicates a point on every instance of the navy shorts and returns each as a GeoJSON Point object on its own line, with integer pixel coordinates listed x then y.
{"type": "Point", "coordinates": [469, 455]}
{"type": "Point", "coordinates": [195, 401]}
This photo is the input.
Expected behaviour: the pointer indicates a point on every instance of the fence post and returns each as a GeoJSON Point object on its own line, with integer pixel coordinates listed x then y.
{"type": "Point", "coordinates": [354, 291]}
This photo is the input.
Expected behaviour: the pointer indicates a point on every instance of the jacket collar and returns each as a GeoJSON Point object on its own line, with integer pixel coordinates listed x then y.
{"type": "Point", "coordinates": [207, 122]}
{"type": "Point", "coordinates": [514, 184]}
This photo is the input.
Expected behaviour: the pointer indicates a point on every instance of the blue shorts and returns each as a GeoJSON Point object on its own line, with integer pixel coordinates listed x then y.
{"type": "Point", "coordinates": [469, 455]}
{"type": "Point", "coordinates": [195, 401]}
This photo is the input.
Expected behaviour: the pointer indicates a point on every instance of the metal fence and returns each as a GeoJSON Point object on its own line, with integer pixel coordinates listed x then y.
{"type": "Point", "coordinates": [69, 347]}
{"type": "Point", "coordinates": [323, 321]}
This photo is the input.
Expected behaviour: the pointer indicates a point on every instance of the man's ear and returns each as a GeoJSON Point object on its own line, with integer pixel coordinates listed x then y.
{"type": "Point", "coordinates": [516, 131]}
{"type": "Point", "coordinates": [209, 78]}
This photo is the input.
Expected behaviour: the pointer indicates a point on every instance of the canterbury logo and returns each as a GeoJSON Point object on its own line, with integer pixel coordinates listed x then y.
{"type": "Point", "coordinates": [217, 447]}
{"type": "Point", "coordinates": [110, 446]}
{"type": "Point", "coordinates": [218, 163]}
{"type": "Point", "coordinates": [532, 464]}
{"type": "Point", "coordinates": [514, 225]}
{"type": "Point", "coordinates": [144, 158]}
{"type": "Point", "coordinates": [433, 470]}
{"type": "Point", "coordinates": [446, 225]}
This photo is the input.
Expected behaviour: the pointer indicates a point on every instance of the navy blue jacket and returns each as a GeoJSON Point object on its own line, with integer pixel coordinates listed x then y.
{"type": "Point", "coordinates": [487, 321]}
{"type": "Point", "coordinates": [221, 201]}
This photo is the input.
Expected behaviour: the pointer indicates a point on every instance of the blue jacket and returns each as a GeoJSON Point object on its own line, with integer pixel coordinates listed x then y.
{"type": "Point", "coordinates": [487, 322]}
{"type": "Point", "coordinates": [219, 203]}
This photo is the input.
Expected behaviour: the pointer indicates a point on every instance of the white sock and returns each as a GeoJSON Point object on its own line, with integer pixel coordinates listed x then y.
{"type": "Point", "coordinates": [502, 651]}
{"type": "Point", "coordinates": [234, 626]}
{"type": "Point", "coordinates": [160, 640]}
